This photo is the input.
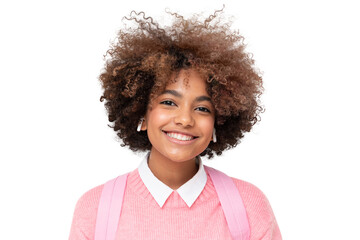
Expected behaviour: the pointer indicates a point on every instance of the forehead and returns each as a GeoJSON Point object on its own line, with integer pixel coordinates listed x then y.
{"type": "Point", "coordinates": [184, 82]}
{"type": "Point", "coordinates": [187, 81]}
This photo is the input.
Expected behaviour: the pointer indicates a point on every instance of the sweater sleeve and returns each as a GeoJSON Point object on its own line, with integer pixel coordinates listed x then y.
{"type": "Point", "coordinates": [273, 233]}
{"type": "Point", "coordinates": [84, 219]}
{"type": "Point", "coordinates": [263, 225]}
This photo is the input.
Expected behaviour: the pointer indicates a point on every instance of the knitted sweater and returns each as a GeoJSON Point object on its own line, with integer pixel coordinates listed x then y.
{"type": "Point", "coordinates": [142, 218]}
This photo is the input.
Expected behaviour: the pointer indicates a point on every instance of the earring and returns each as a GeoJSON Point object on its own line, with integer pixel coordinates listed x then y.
{"type": "Point", "coordinates": [140, 124]}
{"type": "Point", "coordinates": [214, 136]}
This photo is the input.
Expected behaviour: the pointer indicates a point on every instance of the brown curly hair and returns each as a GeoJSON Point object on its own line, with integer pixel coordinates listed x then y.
{"type": "Point", "coordinates": [143, 59]}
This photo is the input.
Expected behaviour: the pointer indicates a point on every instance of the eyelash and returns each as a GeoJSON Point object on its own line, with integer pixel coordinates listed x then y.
{"type": "Point", "coordinates": [168, 102]}
{"type": "Point", "coordinates": [171, 103]}
{"type": "Point", "coordinates": [204, 108]}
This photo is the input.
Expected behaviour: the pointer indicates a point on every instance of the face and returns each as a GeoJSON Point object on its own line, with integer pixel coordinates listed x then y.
{"type": "Point", "coordinates": [181, 119]}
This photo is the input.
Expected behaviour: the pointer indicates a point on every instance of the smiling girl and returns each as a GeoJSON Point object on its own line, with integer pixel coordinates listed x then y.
{"type": "Point", "coordinates": [179, 92]}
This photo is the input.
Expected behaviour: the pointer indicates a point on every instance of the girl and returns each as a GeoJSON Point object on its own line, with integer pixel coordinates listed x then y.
{"type": "Point", "coordinates": [179, 92]}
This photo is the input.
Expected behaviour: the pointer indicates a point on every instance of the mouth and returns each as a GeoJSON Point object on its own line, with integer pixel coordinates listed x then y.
{"type": "Point", "coordinates": [179, 136]}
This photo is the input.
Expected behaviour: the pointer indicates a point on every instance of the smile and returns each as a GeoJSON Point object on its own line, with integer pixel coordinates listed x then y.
{"type": "Point", "coordinates": [180, 136]}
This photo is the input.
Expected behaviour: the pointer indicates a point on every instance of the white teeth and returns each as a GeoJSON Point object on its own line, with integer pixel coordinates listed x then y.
{"type": "Point", "coordinates": [179, 136]}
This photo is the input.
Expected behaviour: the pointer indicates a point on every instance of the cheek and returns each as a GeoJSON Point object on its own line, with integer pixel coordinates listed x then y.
{"type": "Point", "coordinates": [157, 117]}
{"type": "Point", "coordinates": [207, 126]}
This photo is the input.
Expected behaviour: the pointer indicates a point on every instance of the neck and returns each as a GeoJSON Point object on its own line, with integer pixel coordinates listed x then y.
{"type": "Point", "coordinates": [173, 174]}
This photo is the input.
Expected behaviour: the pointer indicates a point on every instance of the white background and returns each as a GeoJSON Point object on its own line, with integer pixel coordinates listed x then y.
{"type": "Point", "coordinates": [55, 143]}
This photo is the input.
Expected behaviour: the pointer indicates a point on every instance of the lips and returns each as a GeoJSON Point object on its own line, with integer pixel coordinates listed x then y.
{"type": "Point", "coordinates": [180, 136]}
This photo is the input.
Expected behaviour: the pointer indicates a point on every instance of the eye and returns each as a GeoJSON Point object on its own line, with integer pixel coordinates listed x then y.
{"type": "Point", "coordinates": [168, 102]}
{"type": "Point", "coordinates": [203, 109]}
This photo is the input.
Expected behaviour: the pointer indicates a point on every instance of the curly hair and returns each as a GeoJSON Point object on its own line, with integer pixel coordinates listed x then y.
{"type": "Point", "coordinates": [142, 60]}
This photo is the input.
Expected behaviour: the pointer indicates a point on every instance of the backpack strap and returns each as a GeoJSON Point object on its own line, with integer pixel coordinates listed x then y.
{"type": "Point", "coordinates": [110, 208]}
{"type": "Point", "coordinates": [231, 203]}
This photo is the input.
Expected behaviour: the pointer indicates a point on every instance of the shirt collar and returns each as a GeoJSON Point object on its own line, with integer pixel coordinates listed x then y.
{"type": "Point", "coordinates": [189, 191]}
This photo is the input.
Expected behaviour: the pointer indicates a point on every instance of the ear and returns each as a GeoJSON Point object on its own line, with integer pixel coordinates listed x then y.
{"type": "Point", "coordinates": [213, 138]}
{"type": "Point", "coordinates": [143, 125]}
{"type": "Point", "coordinates": [140, 125]}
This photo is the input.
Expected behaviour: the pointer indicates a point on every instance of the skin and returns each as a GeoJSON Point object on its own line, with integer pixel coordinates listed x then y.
{"type": "Point", "coordinates": [183, 109]}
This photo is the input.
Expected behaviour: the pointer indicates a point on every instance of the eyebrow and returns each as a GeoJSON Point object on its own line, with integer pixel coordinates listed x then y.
{"type": "Point", "coordinates": [179, 95]}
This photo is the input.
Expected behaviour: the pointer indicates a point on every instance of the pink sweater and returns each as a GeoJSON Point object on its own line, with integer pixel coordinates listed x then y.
{"type": "Point", "coordinates": [142, 218]}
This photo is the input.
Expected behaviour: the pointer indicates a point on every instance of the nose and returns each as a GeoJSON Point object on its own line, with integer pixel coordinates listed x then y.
{"type": "Point", "coordinates": [184, 117]}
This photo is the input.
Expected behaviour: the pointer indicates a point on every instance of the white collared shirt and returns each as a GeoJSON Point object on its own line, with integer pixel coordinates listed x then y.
{"type": "Point", "coordinates": [189, 191]}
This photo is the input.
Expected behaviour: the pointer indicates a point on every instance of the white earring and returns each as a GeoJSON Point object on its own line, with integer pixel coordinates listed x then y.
{"type": "Point", "coordinates": [214, 136]}
{"type": "Point", "coordinates": [140, 124]}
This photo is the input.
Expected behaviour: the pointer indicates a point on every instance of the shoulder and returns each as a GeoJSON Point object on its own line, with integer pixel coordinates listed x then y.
{"type": "Point", "coordinates": [89, 200]}
{"type": "Point", "coordinates": [84, 219]}
{"type": "Point", "coordinates": [253, 197]}
{"type": "Point", "coordinates": [260, 214]}
{"type": "Point", "coordinates": [250, 192]}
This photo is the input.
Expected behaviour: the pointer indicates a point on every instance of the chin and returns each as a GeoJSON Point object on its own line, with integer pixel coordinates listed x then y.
{"type": "Point", "coordinates": [177, 158]}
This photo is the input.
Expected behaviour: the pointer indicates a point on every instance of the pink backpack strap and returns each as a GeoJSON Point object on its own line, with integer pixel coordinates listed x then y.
{"type": "Point", "coordinates": [231, 203]}
{"type": "Point", "coordinates": [110, 208]}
